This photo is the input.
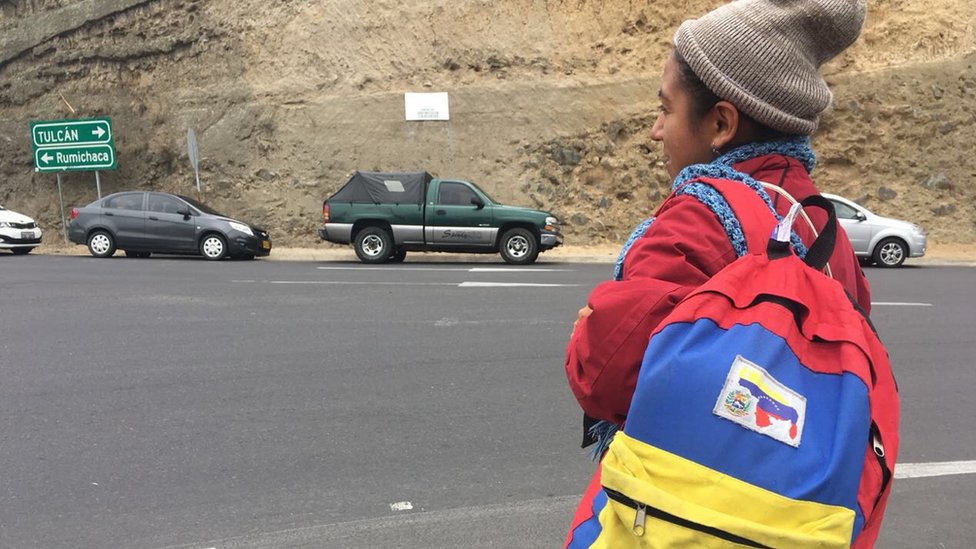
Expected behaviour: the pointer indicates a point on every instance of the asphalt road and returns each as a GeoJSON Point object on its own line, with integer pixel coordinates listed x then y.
{"type": "Point", "coordinates": [175, 402]}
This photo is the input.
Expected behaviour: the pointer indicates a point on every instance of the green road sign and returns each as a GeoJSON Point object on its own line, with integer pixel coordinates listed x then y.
{"type": "Point", "coordinates": [78, 157]}
{"type": "Point", "coordinates": [82, 144]}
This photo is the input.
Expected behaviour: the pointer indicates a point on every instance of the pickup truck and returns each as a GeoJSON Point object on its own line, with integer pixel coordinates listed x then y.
{"type": "Point", "coordinates": [386, 215]}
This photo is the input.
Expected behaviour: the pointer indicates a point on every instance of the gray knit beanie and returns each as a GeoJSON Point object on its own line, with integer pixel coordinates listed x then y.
{"type": "Point", "coordinates": [763, 56]}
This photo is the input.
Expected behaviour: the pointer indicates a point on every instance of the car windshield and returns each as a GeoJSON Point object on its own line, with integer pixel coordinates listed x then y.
{"type": "Point", "coordinates": [201, 207]}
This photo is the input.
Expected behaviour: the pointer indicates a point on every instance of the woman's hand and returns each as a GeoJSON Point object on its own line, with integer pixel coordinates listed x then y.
{"type": "Point", "coordinates": [581, 314]}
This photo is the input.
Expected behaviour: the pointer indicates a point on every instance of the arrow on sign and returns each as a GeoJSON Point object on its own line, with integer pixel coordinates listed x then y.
{"type": "Point", "coordinates": [98, 132]}
{"type": "Point", "coordinates": [47, 158]}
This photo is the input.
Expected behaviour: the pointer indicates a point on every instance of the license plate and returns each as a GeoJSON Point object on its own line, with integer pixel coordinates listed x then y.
{"type": "Point", "coordinates": [27, 235]}
{"type": "Point", "coordinates": [266, 244]}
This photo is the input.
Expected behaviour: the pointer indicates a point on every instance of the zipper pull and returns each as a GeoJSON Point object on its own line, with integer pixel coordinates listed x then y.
{"type": "Point", "coordinates": [639, 519]}
{"type": "Point", "coordinates": [878, 446]}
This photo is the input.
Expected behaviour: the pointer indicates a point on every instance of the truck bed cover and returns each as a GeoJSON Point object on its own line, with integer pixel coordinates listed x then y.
{"type": "Point", "coordinates": [377, 188]}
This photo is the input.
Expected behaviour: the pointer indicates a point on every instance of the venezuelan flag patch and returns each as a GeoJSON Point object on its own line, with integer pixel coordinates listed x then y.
{"type": "Point", "coordinates": [754, 399]}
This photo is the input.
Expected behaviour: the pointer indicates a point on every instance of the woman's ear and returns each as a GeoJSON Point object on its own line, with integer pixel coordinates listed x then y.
{"type": "Point", "coordinates": [724, 124]}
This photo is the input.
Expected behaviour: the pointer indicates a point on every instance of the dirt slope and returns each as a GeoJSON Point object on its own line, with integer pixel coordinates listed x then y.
{"type": "Point", "coordinates": [550, 103]}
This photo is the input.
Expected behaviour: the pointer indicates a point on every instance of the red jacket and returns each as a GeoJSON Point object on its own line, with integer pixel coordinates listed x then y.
{"type": "Point", "coordinates": [683, 248]}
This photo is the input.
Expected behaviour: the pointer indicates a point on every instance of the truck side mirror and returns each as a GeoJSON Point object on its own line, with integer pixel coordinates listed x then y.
{"type": "Point", "coordinates": [478, 202]}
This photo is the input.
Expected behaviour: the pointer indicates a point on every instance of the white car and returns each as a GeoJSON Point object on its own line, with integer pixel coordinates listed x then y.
{"type": "Point", "coordinates": [884, 241]}
{"type": "Point", "coordinates": [18, 233]}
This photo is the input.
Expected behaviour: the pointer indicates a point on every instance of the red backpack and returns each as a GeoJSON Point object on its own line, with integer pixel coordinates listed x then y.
{"type": "Point", "coordinates": [765, 412]}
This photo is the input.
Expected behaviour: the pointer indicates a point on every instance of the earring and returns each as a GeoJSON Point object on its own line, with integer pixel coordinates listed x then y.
{"type": "Point", "coordinates": [715, 152]}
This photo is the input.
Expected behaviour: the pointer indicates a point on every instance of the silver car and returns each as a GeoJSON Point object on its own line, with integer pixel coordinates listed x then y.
{"type": "Point", "coordinates": [881, 240]}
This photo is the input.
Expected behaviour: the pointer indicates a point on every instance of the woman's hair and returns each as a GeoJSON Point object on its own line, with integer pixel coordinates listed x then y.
{"type": "Point", "coordinates": [703, 99]}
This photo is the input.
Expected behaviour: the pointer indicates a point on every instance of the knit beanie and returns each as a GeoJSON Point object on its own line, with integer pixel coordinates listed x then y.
{"type": "Point", "coordinates": [763, 56]}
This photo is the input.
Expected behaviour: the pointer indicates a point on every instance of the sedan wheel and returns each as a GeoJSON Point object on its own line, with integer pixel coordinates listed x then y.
{"type": "Point", "coordinates": [101, 244]}
{"type": "Point", "coordinates": [891, 252]}
{"type": "Point", "coordinates": [213, 247]}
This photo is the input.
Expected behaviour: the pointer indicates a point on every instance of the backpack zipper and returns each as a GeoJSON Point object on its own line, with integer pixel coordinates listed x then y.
{"type": "Point", "coordinates": [879, 453]}
{"type": "Point", "coordinates": [643, 510]}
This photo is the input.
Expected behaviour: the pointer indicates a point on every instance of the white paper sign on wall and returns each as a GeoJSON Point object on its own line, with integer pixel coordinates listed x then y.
{"type": "Point", "coordinates": [426, 106]}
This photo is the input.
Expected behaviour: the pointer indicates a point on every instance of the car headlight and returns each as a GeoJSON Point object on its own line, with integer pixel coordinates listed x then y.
{"type": "Point", "coordinates": [4, 225]}
{"type": "Point", "coordinates": [241, 227]}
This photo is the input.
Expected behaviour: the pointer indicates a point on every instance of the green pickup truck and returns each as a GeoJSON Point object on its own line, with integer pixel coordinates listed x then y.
{"type": "Point", "coordinates": [386, 215]}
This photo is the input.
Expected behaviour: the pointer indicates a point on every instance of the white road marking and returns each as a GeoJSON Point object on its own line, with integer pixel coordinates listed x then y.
{"type": "Point", "coordinates": [364, 283]}
{"type": "Point", "coordinates": [516, 270]}
{"type": "Point", "coordinates": [510, 285]}
{"type": "Point", "coordinates": [401, 506]}
{"type": "Point", "coordinates": [361, 283]}
{"type": "Point", "coordinates": [900, 304]}
{"type": "Point", "coordinates": [934, 469]}
{"type": "Point", "coordinates": [452, 269]}
{"type": "Point", "coordinates": [458, 269]}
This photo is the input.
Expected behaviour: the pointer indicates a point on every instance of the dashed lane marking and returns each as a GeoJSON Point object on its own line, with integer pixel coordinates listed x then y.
{"type": "Point", "coordinates": [363, 283]}
{"type": "Point", "coordinates": [452, 269]}
{"type": "Point", "coordinates": [934, 469]}
{"type": "Point", "coordinates": [511, 285]}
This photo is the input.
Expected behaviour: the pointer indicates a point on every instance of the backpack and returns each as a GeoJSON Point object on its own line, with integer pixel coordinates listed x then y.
{"type": "Point", "coordinates": [765, 412]}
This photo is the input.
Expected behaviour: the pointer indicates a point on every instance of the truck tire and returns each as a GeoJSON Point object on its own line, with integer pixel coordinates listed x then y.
{"type": "Point", "coordinates": [519, 246]}
{"type": "Point", "coordinates": [374, 245]}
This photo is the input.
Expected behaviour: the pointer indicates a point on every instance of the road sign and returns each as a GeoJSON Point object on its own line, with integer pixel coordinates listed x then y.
{"type": "Point", "coordinates": [73, 145]}
{"type": "Point", "coordinates": [77, 157]}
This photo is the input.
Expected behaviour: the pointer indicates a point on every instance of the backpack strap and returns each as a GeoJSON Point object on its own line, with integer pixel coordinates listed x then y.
{"type": "Point", "coordinates": [789, 198]}
{"type": "Point", "coordinates": [823, 247]}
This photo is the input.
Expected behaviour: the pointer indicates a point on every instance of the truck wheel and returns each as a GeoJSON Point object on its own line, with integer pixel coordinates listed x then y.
{"type": "Point", "coordinates": [519, 246]}
{"type": "Point", "coordinates": [374, 245]}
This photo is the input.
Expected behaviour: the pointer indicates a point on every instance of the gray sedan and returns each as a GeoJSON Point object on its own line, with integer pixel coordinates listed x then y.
{"type": "Point", "coordinates": [881, 240]}
{"type": "Point", "coordinates": [141, 223]}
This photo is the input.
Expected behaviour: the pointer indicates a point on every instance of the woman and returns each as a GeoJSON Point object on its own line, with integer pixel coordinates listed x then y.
{"type": "Point", "coordinates": [740, 95]}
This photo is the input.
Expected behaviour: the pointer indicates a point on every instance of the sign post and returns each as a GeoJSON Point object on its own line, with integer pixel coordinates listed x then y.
{"type": "Point", "coordinates": [194, 153]}
{"type": "Point", "coordinates": [64, 226]}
